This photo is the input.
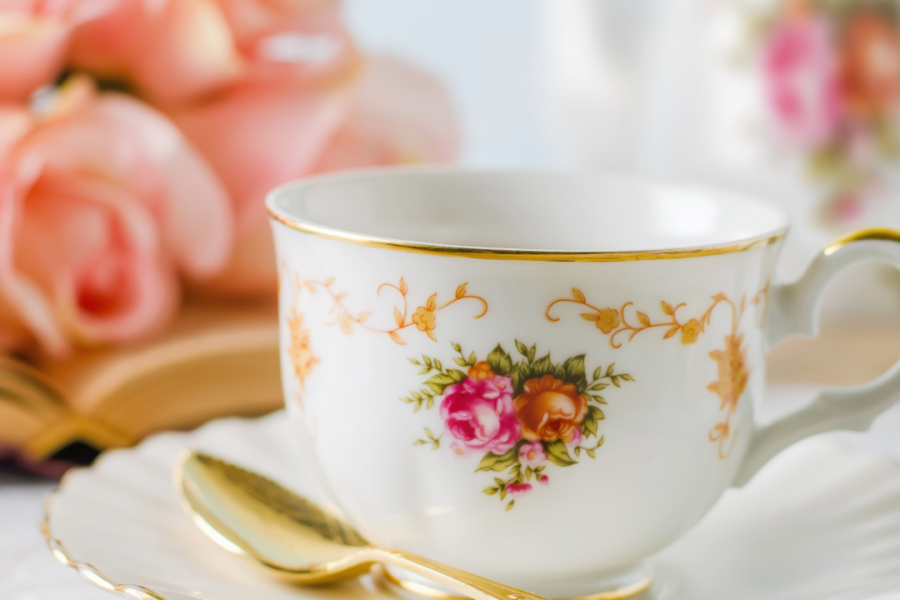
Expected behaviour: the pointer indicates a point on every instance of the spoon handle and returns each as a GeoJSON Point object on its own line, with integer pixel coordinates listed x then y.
{"type": "Point", "coordinates": [462, 582]}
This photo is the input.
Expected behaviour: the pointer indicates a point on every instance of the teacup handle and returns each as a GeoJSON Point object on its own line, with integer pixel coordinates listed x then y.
{"type": "Point", "coordinates": [793, 310]}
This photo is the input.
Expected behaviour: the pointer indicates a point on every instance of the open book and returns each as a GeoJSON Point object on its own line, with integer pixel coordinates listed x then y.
{"type": "Point", "coordinates": [216, 360]}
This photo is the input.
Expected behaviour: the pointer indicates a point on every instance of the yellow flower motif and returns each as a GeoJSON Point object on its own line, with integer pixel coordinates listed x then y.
{"type": "Point", "coordinates": [733, 372]}
{"type": "Point", "coordinates": [690, 331]}
{"type": "Point", "coordinates": [300, 351]}
{"type": "Point", "coordinates": [424, 320]}
{"type": "Point", "coordinates": [607, 319]}
{"type": "Point", "coordinates": [481, 370]}
{"type": "Point", "coordinates": [347, 323]}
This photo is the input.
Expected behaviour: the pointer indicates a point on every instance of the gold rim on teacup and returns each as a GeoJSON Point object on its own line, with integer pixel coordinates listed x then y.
{"type": "Point", "coordinates": [489, 253]}
{"type": "Point", "coordinates": [513, 254]}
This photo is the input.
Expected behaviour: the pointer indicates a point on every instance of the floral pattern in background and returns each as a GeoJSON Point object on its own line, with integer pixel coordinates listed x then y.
{"type": "Point", "coordinates": [520, 417]}
{"type": "Point", "coordinates": [831, 75]}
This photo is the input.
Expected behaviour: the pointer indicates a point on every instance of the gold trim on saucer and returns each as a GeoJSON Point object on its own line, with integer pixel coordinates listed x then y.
{"type": "Point", "coordinates": [874, 233]}
{"type": "Point", "coordinates": [421, 589]}
{"type": "Point", "coordinates": [518, 254]}
{"type": "Point", "coordinates": [86, 570]}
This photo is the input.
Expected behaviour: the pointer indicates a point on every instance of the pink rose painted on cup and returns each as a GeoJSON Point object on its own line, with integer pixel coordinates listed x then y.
{"type": "Point", "coordinates": [532, 455]}
{"type": "Point", "coordinates": [800, 74]}
{"type": "Point", "coordinates": [481, 415]}
{"type": "Point", "coordinates": [576, 440]}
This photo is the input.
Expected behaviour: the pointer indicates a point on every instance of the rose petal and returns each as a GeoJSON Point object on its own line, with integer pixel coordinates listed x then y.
{"type": "Point", "coordinates": [298, 39]}
{"type": "Point", "coordinates": [32, 51]}
{"type": "Point", "coordinates": [15, 122]}
{"type": "Point", "coordinates": [106, 46]}
{"type": "Point", "coordinates": [399, 115]}
{"type": "Point", "coordinates": [258, 137]}
{"type": "Point", "coordinates": [251, 19]}
{"type": "Point", "coordinates": [24, 306]}
{"type": "Point", "coordinates": [86, 142]}
{"type": "Point", "coordinates": [33, 40]}
{"type": "Point", "coordinates": [198, 225]}
{"type": "Point", "coordinates": [145, 301]}
{"type": "Point", "coordinates": [173, 50]}
{"type": "Point", "coordinates": [188, 53]}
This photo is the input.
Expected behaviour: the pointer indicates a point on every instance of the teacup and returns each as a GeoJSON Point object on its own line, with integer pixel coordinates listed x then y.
{"type": "Point", "coordinates": [541, 378]}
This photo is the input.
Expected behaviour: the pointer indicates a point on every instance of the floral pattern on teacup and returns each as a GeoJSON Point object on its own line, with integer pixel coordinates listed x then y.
{"type": "Point", "coordinates": [423, 318]}
{"type": "Point", "coordinates": [732, 368]}
{"type": "Point", "coordinates": [731, 363]}
{"type": "Point", "coordinates": [300, 348]}
{"type": "Point", "coordinates": [520, 416]}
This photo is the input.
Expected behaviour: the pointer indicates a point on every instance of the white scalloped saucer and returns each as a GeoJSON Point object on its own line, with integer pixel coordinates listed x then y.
{"type": "Point", "coordinates": [821, 521]}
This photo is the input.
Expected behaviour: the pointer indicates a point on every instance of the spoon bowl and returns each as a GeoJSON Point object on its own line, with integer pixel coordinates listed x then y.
{"type": "Point", "coordinates": [295, 539]}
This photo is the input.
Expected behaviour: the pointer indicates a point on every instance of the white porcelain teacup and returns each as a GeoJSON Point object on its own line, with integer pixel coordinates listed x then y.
{"type": "Point", "coordinates": [541, 378]}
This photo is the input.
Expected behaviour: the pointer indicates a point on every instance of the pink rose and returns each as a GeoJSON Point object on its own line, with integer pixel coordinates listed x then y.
{"type": "Point", "coordinates": [398, 115]}
{"type": "Point", "coordinates": [576, 438]}
{"type": "Point", "coordinates": [543, 479]}
{"type": "Point", "coordinates": [801, 77]}
{"type": "Point", "coordinates": [34, 36]}
{"type": "Point", "coordinates": [171, 50]}
{"type": "Point", "coordinates": [303, 40]}
{"type": "Point", "coordinates": [102, 204]}
{"type": "Point", "coordinates": [532, 455]}
{"type": "Point", "coordinates": [178, 51]}
{"type": "Point", "coordinates": [481, 415]}
{"type": "Point", "coordinates": [517, 490]}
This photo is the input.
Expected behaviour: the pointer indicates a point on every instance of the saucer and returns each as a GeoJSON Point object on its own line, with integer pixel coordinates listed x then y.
{"type": "Point", "coordinates": [821, 521]}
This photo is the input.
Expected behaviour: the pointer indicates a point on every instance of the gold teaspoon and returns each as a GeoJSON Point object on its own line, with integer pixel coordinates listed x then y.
{"type": "Point", "coordinates": [248, 514]}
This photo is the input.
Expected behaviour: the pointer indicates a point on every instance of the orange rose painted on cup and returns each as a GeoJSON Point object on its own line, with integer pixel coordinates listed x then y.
{"type": "Point", "coordinates": [551, 409]}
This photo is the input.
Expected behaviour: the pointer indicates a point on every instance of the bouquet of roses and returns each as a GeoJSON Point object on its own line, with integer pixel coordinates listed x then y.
{"type": "Point", "coordinates": [139, 137]}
